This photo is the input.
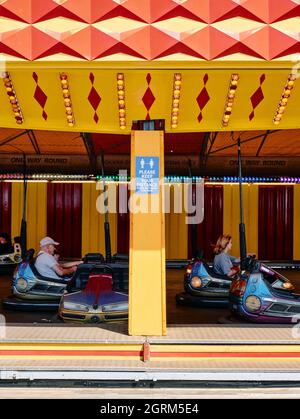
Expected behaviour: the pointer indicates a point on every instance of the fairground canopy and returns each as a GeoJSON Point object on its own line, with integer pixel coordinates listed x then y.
{"type": "Point", "coordinates": [203, 66]}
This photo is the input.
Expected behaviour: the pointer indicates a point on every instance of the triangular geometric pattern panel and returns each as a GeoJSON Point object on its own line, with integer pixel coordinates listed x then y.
{"type": "Point", "coordinates": [149, 29]}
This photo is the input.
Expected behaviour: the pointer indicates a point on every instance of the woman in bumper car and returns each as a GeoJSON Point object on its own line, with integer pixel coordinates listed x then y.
{"type": "Point", "coordinates": [224, 263]}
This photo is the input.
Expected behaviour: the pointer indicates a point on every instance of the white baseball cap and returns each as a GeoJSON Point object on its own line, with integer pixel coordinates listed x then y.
{"type": "Point", "coordinates": [47, 240]}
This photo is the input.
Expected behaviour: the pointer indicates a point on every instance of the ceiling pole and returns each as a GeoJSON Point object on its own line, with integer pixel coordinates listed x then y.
{"type": "Point", "coordinates": [262, 143]}
{"type": "Point", "coordinates": [212, 141]}
{"type": "Point", "coordinates": [87, 139]}
{"type": "Point", "coordinates": [14, 137]}
{"type": "Point", "coordinates": [204, 147]}
{"type": "Point", "coordinates": [243, 249]}
{"type": "Point", "coordinates": [23, 231]}
{"type": "Point", "coordinates": [33, 140]}
{"type": "Point", "coordinates": [242, 142]}
{"type": "Point", "coordinates": [106, 219]}
{"type": "Point", "coordinates": [202, 161]}
{"type": "Point", "coordinates": [194, 227]}
{"type": "Point", "coordinates": [89, 146]}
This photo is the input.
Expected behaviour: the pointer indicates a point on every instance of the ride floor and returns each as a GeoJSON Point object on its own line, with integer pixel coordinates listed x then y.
{"type": "Point", "coordinates": [176, 314]}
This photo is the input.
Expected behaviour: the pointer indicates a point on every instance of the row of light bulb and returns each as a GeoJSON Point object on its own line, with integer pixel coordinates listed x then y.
{"type": "Point", "coordinates": [176, 99]}
{"type": "Point", "coordinates": [230, 99]}
{"type": "Point", "coordinates": [53, 176]}
{"type": "Point", "coordinates": [284, 99]}
{"type": "Point", "coordinates": [10, 90]}
{"type": "Point", "coordinates": [121, 100]}
{"type": "Point", "coordinates": [67, 99]}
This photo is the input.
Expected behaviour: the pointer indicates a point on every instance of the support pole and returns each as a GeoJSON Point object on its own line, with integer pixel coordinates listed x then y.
{"type": "Point", "coordinates": [243, 249]}
{"type": "Point", "coordinates": [147, 261]}
{"type": "Point", "coordinates": [23, 231]}
{"type": "Point", "coordinates": [106, 220]}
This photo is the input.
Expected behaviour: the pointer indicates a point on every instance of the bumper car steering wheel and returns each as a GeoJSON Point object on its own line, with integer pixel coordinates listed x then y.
{"type": "Point", "coordinates": [251, 263]}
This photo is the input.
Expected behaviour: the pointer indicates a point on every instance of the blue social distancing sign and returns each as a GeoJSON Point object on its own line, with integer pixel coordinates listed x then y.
{"type": "Point", "coordinates": [147, 175]}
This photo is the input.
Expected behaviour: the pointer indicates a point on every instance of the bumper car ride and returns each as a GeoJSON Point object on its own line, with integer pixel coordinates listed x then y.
{"type": "Point", "coordinates": [97, 302]}
{"type": "Point", "coordinates": [31, 291]}
{"type": "Point", "coordinates": [203, 287]}
{"type": "Point", "coordinates": [264, 296]}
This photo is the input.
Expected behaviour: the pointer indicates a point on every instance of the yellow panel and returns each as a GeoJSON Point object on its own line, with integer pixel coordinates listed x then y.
{"type": "Point", "coordinates": [36, 212]}
{"type": "Point", "coordinates": [163, 102]}
{"type": "Point", "coordinates": [136, 86]}
{"type": "Point", "coordinates": [176, 231]}
{"type": "Point", "coordinates": [161, 86]}
{"type": "Point", "coordinates": [231, 216]}
{"type": "Point", "coordinates": [147, 266]}
{"type": "Point", "coordinates": [93, 223]}
{"type": "Point", "coordinates": [296, 222]}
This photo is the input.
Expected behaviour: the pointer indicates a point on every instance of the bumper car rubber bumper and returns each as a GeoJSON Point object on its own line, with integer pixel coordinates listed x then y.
{"type": "Point", "coordinates": [13, 303]}
{"type": "Point", "coordinates": [187, 299]}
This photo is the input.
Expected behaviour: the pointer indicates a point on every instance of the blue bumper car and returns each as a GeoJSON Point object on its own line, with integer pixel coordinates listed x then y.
{"type": "Point", "coordinates": [94, 300]}
{"type": "Point", "coordinates": [32, 291]}
{"type": "Point", "coordinates": [263, 295]}
{"type": "Point", "coordinates": [204, 287]}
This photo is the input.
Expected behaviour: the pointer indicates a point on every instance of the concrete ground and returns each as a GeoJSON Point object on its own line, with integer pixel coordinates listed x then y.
{"type": "Point", "coordinates": [156, 393]}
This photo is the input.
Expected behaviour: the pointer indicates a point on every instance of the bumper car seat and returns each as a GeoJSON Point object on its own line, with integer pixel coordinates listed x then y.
{"type": "Point", "coordinates": [93, 258]}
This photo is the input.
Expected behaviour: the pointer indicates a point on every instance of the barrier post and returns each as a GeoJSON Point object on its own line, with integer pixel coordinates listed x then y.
{"type": "Point", "coordinates": [147, 264]}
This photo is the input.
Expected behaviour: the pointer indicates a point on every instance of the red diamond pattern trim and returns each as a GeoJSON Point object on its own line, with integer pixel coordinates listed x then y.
{"type": "Point", "coordinates": [96, 118]}
{"type": "Point", "coordinates": [92, 77]}
{"type": "Point", "coordinates": [94, 98]}
{"type": "Point", "coordinates": [40, 96]}
{"type": "Point", "coordinates": [257, 97]}
{"type": "Point", "coordinates": [203, 98]}
{"type": "Point", "coordinates": [148, 42]}
{"type": "Point", "coordinates": [148, 98]}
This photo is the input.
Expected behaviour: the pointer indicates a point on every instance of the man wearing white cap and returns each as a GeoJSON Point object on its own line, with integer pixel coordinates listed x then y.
{"type": "Point", "coordinates": [47, 265]}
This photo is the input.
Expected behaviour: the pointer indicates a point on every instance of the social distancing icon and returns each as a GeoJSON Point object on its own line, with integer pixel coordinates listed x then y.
{"type": "Point", "coordinates": [147, 175]}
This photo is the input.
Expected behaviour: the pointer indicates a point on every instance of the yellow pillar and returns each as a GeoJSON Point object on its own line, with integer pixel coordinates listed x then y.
{"type": "Point", "coordinates": [147, 265]}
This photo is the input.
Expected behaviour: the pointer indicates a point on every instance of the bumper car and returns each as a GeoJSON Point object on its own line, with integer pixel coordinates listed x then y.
{"type": "Point", "coordinates": [204, 287]}
{"type": "Point", "coordinates": [31, 291]}
{"type": "Point", "coordinates": [263, 295]}
{"type": "Point", "coordinates": [93, 300]}
{"type": "Point", "coordinates": [9, 261]}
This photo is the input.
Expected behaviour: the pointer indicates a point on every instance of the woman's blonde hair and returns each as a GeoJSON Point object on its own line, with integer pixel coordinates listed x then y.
{"type": "Point", "coordinates": [221, 244]}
